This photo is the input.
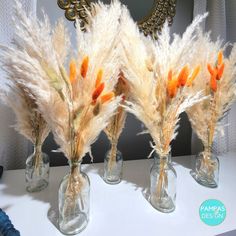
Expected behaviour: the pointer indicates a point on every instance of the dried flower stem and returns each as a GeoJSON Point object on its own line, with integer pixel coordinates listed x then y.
{"type": "Point", "coordinates": [116, 124]}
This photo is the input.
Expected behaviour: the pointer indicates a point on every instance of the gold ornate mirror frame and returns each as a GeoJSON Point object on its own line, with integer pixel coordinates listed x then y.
{"type": "Point", "coordinates": [162, 10]}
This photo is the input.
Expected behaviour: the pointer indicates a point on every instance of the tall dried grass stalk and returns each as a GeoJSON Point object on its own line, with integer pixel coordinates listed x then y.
{"type": "Point", "coordinates": [29, 121]}
{"type": "Point", "coordinates": [160, 79]}
{"type": "Point", "coordinates": [217, 79]}
{"type": "Point", "coordinates": [76, 103]}
{"type": "Point", "coordinates": [117, 122]}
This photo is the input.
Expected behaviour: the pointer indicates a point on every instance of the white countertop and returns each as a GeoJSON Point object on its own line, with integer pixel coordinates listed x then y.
{"type": "Point", "coordinates": [120, 210]}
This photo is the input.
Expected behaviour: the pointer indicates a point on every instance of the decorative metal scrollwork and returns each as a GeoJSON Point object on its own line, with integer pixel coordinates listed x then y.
{"type": "Point", "coordinates": [75, 9]}
{"type": "Point", "coordinates": [162, 10]}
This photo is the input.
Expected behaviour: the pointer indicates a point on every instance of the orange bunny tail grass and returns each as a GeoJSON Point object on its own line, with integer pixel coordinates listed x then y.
{"type": "Point", "coordinates": [84, 67]}
{"type": "Point", "coordinates": [210, 69]}
{"type": "Point", "coordinates": [99, 78]}
{"type": "Point", "coordinates": [172, 88]}
{"type": "Point", "coordinates": [220, 58]}
{"type": "Point", "coordinates": [107, 97]}
{"type": "Point", "coordinates": [72, 71]}
{"type": "Point", "coordinates": [213, 83]}
{"type": "Point", "coordinates": [220, 71]}
{"type": "Point", "coordinates": [183, 76]}
{"type": "Point", "coordinates": [97, 92]}
{"type": "Point", "coordinates": [193, 76]}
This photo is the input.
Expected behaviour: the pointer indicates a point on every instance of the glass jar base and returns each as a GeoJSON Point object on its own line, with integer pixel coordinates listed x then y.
{"type": "Point", "coordinates": [203, 180]}
{"type": "Point", "coordinates": [112, 181]}
{"type": "Point", "coordinates": [165, 205]}
{"type": "Point", "coordinates": [38, 186]}
{"type": "Point", "coordinates": [76, 225]}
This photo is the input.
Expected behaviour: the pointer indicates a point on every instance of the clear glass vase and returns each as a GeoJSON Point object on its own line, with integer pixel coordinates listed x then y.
{"type": "Point", "coordinates": [163, 179]}
{"type": "Point", "coordinates": [37, 170]}
{"type": "Point", "coordinates": [206, 169]}
{"type": "Point", "coordinates": [73, 199]}
{"type": "Point", "coordinates": [113, 164]}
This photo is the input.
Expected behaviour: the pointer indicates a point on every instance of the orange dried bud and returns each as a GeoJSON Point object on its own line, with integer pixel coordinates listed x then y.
{"type": "Point", "coordinates": [183, 76]}
{"type": "Point", "coordinates": [99, 78]}
{"type": "Point", "coordinates": [97, 92]}
{"type": "Point", "coordinates": [72, 71]}
{"type": "Point", "coordinates": [172, 87]}
{"type": "Point", "coordinates": [210, 69]}
{"type": "Point", "coordinates": [220, 71]}
{"type": "Point", "coordinates": [170, 75]}
{"type": "Point", "coordinates": [213, 83]}
{"type": "Point", "coordinates": [84, 67]}
{"type": "Point", "coordinates": [107, 97]}
{"type": "Point", "coordinates": [220, 58]}
{"type": "Point", "coordinates": [193, 76]}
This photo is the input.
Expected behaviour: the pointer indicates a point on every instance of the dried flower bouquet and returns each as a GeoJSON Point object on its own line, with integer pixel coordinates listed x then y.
{"type": "Point", "coordinates": [115, 127]}
{"type": "Point", "coordinates": [77, 104]}
{"type": "Point", "coordinates": [29, 122]}
{"type": "Point", "coordinates": [217, 80]}
{"type": "Point", "coordinates": [160, 80]}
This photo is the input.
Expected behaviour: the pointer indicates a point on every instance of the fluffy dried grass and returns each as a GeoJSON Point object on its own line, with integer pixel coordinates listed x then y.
{"type": "Point", "coordinates": [219, 85]}
{"type": "Point", "coordinates": [29, 122]}
{"type": "Point", "coordinates": [117, 122]}
{"type": "Point", "coordinates": [149, 67]}
{"type": "Point", "coordinates": [160, 79]}
{"type": "Point", "coordinates": [206, 117]}
{"type": "Point", "coordinates": [76, 103]}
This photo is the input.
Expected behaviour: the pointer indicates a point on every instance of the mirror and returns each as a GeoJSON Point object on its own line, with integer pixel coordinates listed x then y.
{"type": "Point", "coordinates": [150, 14]}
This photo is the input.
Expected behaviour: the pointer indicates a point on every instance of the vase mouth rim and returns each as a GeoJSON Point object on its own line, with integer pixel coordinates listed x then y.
{"type": "Point", "coordinates": [158, 156]}
{"type": "Point", "coordinates": [74, 162]}
{"type": "Point", "coordinates": [211, 151]}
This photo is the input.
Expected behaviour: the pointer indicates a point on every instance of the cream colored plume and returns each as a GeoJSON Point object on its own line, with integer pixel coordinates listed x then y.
{"type": "Point", "coordinates": [29, 121]}
{"type": "Point", "coordinates": [206, 117]}
{"type": "Point", "coordinates": [76, 102]}
{"type": "Point", "coordinates": [155, 71]}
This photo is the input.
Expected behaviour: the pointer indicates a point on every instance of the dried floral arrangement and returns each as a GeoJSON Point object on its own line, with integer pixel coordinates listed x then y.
{"type": "Point", "coordinates": [77, 104]}
{"type": "Point", "coordinates": [29, 121]}
{"type": "Point", "coordinates": [117, 122]}
{"type": "Point", "coordinates": [160, 80]}
{"type": "Point", "coordinates": [217, 80]}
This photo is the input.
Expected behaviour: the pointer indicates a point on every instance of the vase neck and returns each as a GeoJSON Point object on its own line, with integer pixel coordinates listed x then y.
{"type": "Point", "coordinates": [37, 148]}
{"type": "Point", "coordinates": [164, 159]}
{"type": "Point", "coordinates": [75, 166]}
{"type": "Point", "coordinates": [207, 153]}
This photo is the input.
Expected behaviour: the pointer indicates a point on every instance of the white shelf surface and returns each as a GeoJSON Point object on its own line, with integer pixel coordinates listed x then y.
{"type": "Point", "coordinates": [122, 210]}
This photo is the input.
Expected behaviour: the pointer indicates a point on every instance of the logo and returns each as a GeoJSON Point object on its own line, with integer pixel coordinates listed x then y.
{"type": "Point", "coordinates": [212, 212]}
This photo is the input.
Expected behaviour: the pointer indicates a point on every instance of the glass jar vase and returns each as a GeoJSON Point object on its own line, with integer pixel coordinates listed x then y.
{"type": "Point", "coordinates": [163, 180]}
{"type": "Point", "coordinates": [73, 199]}
{"type": "Point", "coordinates": [206, 169]}
{"type": "Point", "coordinates": [37, 170]}
{"type": "Point", "coordinates": [113, 164]}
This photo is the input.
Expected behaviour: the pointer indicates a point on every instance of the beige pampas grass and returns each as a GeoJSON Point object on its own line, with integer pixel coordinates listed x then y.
{"type": "Point", "coordinates": [29, 122]}
{"type": "Point", "coordinates": [160, 79]}
{"type": "Point", "coordinates": [77, 102]}
{"type": "Point", "coordinates": [217, 80]}
{"type": "Point", "coordinates": [117, 122]}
